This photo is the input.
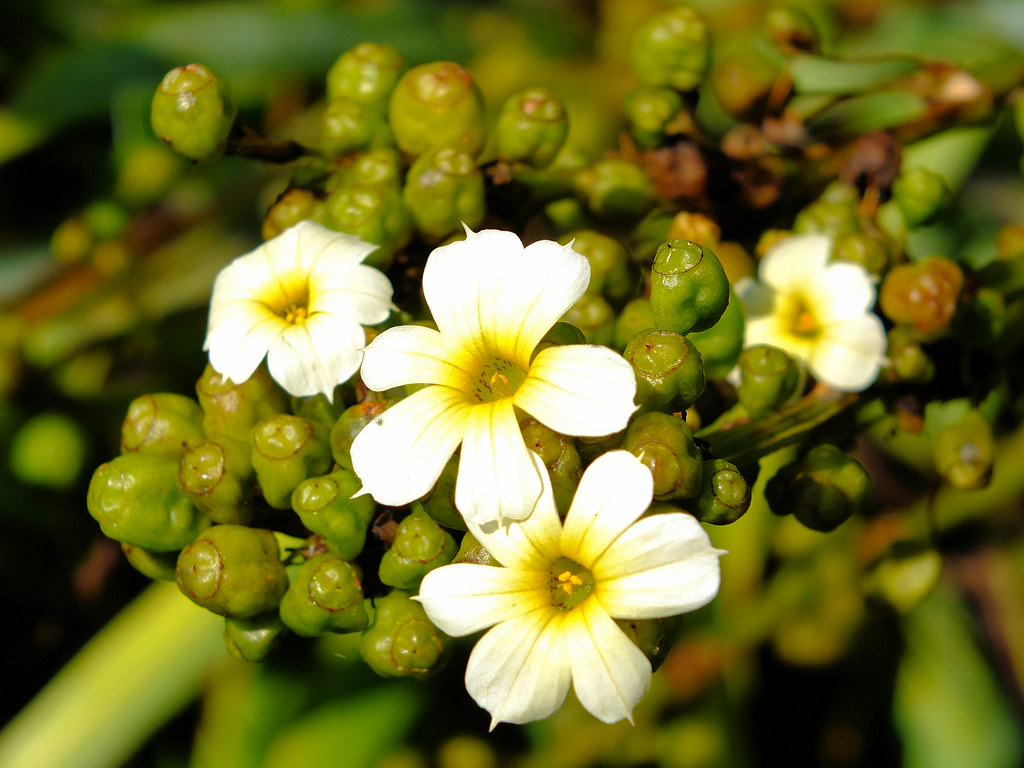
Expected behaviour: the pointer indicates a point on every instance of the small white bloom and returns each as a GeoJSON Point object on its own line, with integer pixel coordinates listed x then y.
{"type": "Point", "coordinates": [551, 607]}
{"type": "Point", "coordinates": [493, 300]}
{"type": "Point", "coordinates": [300, 299]}
{"type": "Point", "coordinates": [817, 310]}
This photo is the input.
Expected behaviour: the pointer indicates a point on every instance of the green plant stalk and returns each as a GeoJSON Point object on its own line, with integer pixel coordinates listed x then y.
{"type": "Point", "coordinates": [140, 670]}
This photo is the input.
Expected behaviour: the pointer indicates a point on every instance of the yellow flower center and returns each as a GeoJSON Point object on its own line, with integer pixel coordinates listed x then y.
{"type": "Point", "coordinates": [570, 584]}
{"type": "Point", "coordinates": [497, 380]}
{"type": "Point", "coordinates": [288, 298]}
{"type": "Point", "coordinates": [802, 321]}
{"type": "Point", "coordinates": [296, 315]}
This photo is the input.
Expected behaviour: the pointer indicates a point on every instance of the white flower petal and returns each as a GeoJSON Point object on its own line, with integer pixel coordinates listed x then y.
{"type": "Point", "coordinates": [237, 349]}
{"type": "Point", "coordinates": [399, 455]}
{"type": "Point", "coordinates": [412, 354]}
{"type": "Point", "coordinates": [519, 670]}
{"type": "Point", "coordinates": [579, 389]}
{"type": "Point", "coordinates": [312, 243]}
{"type": "Point", "coordinates": [757, 299]}
{"type": "Point", "coordinates": [497, 479]}
{"type": "Point", "coordinates": [609, 673]}
{"type": "Point", "coordinates": [843, 290]}
{"type": "Point", "coordinates": [788, 264]}
{"type": "Point", "coordinates": [850, 353]}
{"type": "Point", "coordinates": [317, 355]}
{"type": "Point", "coordinates": [532, 543]}
{"type": "Point", "coordinates": [463, 598]}
{"type": "Point", "coordinates": [613, 492]}
{"type": "Point", "coordinates": [365, 292]}
{"type": "Point", "coordinates": [662, 565]}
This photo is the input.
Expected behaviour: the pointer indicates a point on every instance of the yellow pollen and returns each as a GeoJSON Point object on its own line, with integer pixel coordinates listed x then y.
{"type": "Point", "coordinates": [498, 378]}
{"type": "Point", "coordinates": [296, 315]}
{"type": "Point", "coordinates": [569, 580]}
{"type": "Point", "coordinates": [805, 323]}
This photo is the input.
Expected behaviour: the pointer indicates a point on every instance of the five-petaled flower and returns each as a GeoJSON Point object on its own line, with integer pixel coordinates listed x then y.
{"type": "Point", "coordinates": [493, 301]}
{"type": "Point", "coordinates": [817, 310]}
{"type": "Point", "coordinates": [300, 299]}
{"type": "Point", "coordinates": [552, 604]}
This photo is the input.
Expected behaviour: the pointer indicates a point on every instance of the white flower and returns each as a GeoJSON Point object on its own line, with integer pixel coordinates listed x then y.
{"type": "Point", "coordinates": [493, 301]}
{"type": "Point", "coordinates": [301, 299]}
{"type": "Point", "coordinates": [551, 607]}
{"type": "Point", "coordinates": [817, 311]}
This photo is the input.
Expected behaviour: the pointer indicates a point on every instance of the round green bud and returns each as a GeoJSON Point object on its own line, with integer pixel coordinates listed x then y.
{"type": "Point", "coordinates": [616, 190]}
{"type": "Point", "coordinates": [768, 378]}
{"type": "Point", "coordinates": [49, 450]}
{"type": "Point", "coordinates": [401, 641]}
{"type": "Point", "coordinates": [672, 48]}
{"type": "Point", "coordinates": [348, 126]}
{"type": "Point", "coordinates": [689, 288]}
{"type": "Point", "coordinates": [668, 368]}
{"type": "Point", "coordinates": [233, 570]}
{"type": "Point", "coordinates": [665, 445]}
{"type": "Point", "coordinates": [908, 360]}
{"type": "Point", "coordinates": [791, 30]}
{"type": "Point", "coordinates": [289, 209]}
{"type": "Point", "coordinates": [649, 109]}
{"type": "Point", "coordinates": [420, 545]}
{"type": "Point", "coordinates": [326, 595]}
{"type": "Point", "coordinates": [437, 105]}
{"type": "Point", "coordinates": [921, 195]}
{"type": "Point", "coordinates": [531, 127]}
{"type": "Point", "coordinates": [721, 344]}
{"type": "Point", "coordinates": [964, 451]}
{"type": "Point", "coordinates": [253, 639]}
{"type": "Point", "coordinates": [377, 168]}
{"type": "Point", "coordinates": [136, 500]}
{"type": "Point", "coordinates": [325, 506]}
{"type": "Point", "coordinates": [611, 274]}
{"type": "Point", "coordinates": [192, 111]}
{"type": "Point", "coordinates": [560, 456]}
{"type": "Point", "coordinates": [349, 424]}
{"type": "Point", "coordinates": [286, 450]}
{"type": "Point", "coordinates": [472, 551]}
{"type": "Point", "coordinates": [742, 82]}
{"type": "Point", "coordinates": [375, 214]}
{"type": "Point", "coordinates": [440, 502]}
{"type": "Point", "coordinates": [724, 493]}
{"type": "Point", "coordinates": [366, 73]}
{"type": "Point", "coordinates": [635, 317]}
{"type": "Point", "coordinates": [107, 219]}
{"type": "Point", "coordinates": [158, 566]}
{"type": "Point", "coordinates": [594, 316]}
{"type": "Point", "coordinates": [833, 218]}
{"type": "Point", "coordinates": [444, 190]}
{"type": "Point", "coordinates": [204, 475]}
{"type": "Point", "coordinates": [162, 424]}
{"type": "Point", "coordinates": [822, 489]}
{"type": "Point", "coordinates": [652, 636]}
{"type": "Point", "coordinates": [560, 334]}
{"type": "Point", "coordinates": [869, 251]}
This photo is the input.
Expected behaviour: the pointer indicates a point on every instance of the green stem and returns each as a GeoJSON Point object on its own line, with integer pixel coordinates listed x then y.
{"type": "Point", "coordinates": [137, 673]}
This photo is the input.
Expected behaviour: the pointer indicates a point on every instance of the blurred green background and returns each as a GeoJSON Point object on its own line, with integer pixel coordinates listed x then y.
{"type": "Point", "coordinates": [819, 650]}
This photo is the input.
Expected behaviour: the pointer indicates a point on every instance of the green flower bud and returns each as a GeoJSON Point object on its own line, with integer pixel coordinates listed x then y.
{"type": "Point", "coordinates": [472, 551]}
{"type": "Point", "coordinates": [286, 450]}
{"type": "Point", "coordinates": [652, 636]}
{"type": "Point", "coordinates": [375, 214]}
{"type": "Point", "coordinates": [253, 639]}
{"type": "Point", "coordinates": [791, 30]}
{"type": "Point", "coordinates": [49, 450]}
{"type": "Point", "coordinates": [721, 344]}
{"type": "Point", "coordinates": [672, 48]}
{"type": "Point", "coordinates": [348, 126]}
{"type": "Point", "coordinates": [636, 316]}
{"type": "Point", "coordinates": [664, 443]}
{"type": "Point", "coordinates": [768, 378]}
{"type": "Point", "coordinates": [162, 424]}
{"type": "Point", "coordinates": [420, 545]}
{"type": "Point", "coordinates": [204, 475]}
{"type": "Point", "coordinates": [594, 316]}
{"type": "Point", "coordinates": [531, 128]}
{"type": "Point", "coordinates": [401, 641]}
{"type": "Point", "coordinates": [742, 82]}
{"type": "Point", "coordinates": [908, 360]}
{"type": "Point", "coordinates": [724, 493]}
{"type": "Point", "coordinates": [444, 190]}
{"type": "Point", "coordinates": [649, 109]}
{"type": "Point", "coordinates": [869, 251]}
{"type": "Point", "coordinates": [325, 506]}
{"type": "Point", "coordinates": [350, 424]}
{"type": "Point", "coordinates": [158, 566]}
{"type": "Point", "coordinates": [829, 217]}
{"type": "Point", "coordinates": [701, 229]}
{"type": "Point", "coordinates": [379, 167]}
{"type": "Point", "coordinates": [437, 105]}
{"type": "Point", "coordinates": [566, 213]}
{"type": "Point", "coordinates": [689, 289]}
{"type": "Point", "coordinates": [923, 294]}
{"type": "Point", "coordinates": [366, 73]}
{"type": "Point", "coordinates": [289, 209]}
{"type": "Point", "coordinates": [192, 111]}
{"type": "Point", "coordinates": [318, 410]}
{"type": "Point", "coordinates": [233, 570]}
{"type": "Point", "coordinates": [921, 195]}
{"type": "Point", "coordinates": [136, 500]}
{"type": "Point", "coordinates": [326, 595]}
{"type": "Point", "coordinates": [611, 274]}
{"type": "Point", "coordinates": [964, 451]}
{"type": "Point", "coordinates": [821, 490]}
{"type": "Point", "coordinates": [668, 368]}
{"type": "Point", "coordinates": [560, 334]}
{"type": "Point", "coordinates": [440, 502]}
{"type": "Point", "coordinates": [616, 190]}
{"type": "Point", "coordinates": [559, 455]}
